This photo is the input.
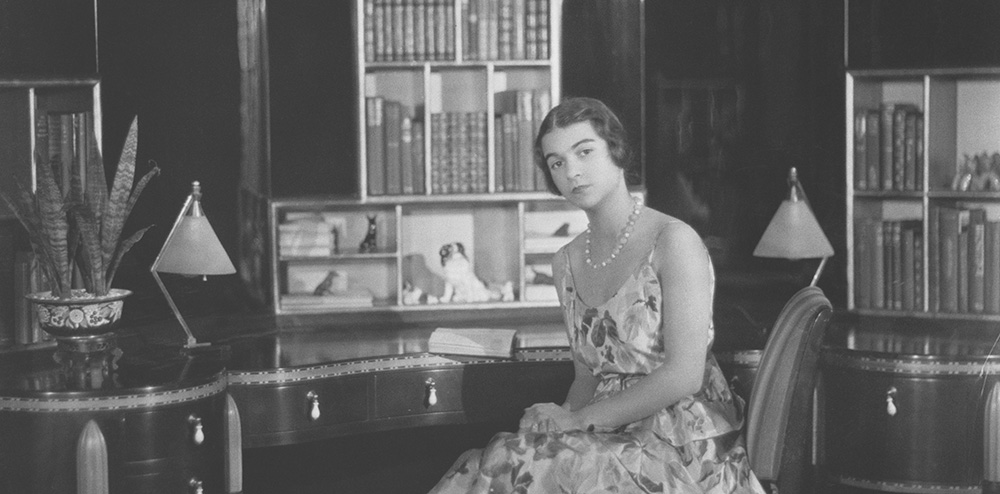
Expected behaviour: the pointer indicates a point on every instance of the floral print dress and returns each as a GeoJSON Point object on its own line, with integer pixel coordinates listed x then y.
{"type": "Point", "coordinates": [692, 446]}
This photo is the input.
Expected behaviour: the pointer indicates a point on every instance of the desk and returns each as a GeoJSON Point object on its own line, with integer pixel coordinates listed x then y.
{"type": "Point", "coordinates": [140, 421]}
{"type": "Point", "coordinates": [317, 383]}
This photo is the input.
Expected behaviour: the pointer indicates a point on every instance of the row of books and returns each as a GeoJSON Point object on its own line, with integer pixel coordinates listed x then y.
{"type": "Point", "coordinates": [394, 146]}
{"type": "Point", "coordinates": [459, 153]}
{"type": "Point", "coordinates": [963, 263]}
{"type": "Point", "coordinates": [889, 148]}
{"type": "Point", "coordinates": [888, 265]}
{"type": "Point", "coordinates": [64, 140]}
{"type": "Point", "coordinates": [310, 234]}
{"type": "Point", "coordinates": [420, 30]}
{"type": "Point", "coordinates": [519, 115]}
{"type": "Point", "coordinates": [506, 29]}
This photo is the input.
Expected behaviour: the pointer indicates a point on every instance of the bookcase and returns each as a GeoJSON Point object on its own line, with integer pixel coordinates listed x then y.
{"type": "Point", "coordinates": [923, 192]}
{"type": "Point", "coordinates": [448, 96]}
{"type": "Point", "coordinates": [45, 120]}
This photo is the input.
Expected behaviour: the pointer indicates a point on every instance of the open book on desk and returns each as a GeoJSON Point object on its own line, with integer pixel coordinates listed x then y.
{"type": "Point", "coordinates": [491, 342]}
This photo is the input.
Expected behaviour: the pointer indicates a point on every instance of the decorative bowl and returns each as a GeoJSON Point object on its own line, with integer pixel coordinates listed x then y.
{"type": "Point", "coordinates": [81, 315]}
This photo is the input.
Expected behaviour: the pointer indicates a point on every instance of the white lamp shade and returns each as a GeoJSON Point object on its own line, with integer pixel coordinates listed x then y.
{"type": "Point", "coordinates": [194, 249]}
{"type": "Point", "coordinates": [793, 233]}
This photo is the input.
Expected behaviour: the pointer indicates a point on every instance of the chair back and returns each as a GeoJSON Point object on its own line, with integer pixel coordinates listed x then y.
{"type": "Point", "coordinates": [779, 415]}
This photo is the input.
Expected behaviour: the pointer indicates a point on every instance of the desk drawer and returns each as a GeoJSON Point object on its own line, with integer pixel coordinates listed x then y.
{"type": "Point", "coordinates": [306, 405]}
{"type": "Point", "coordinates": [173, 431]}
{"type": "Point", "coordinates": [414, 392]}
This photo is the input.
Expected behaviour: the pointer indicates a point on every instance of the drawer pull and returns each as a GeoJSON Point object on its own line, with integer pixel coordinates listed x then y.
{"type": "Point", "coordinates": [197, 429]}
{"type": "Point", "coordinates": [195, 486]}
{"type": "Point", "coordinates": [890, 404]}
{"type": "Point", "coordinates": [313, 405]}
{"type": "Point", "coordinates": [432, 394]}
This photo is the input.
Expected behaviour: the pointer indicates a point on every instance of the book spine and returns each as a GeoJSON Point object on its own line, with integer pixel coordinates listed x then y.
{"type": "Point", "coordinates": [493, 29]}
{"type": "Point", "coordinates": [518, 13]}
{"type": "Point", "coordinates": [441, 29]}
{"type": "Point", "coordinates": [449, 29]}
{"type": "Point", "coordinates": [949, 228]}
{"type": "Point", "coordinates": [919, 150]}
{"type": "Point", "coordinates": [878, 265]}
{"type": "Point", "coordinates": [498, 154]}
{"type": "Point", "coordinates": [543, 29]}
{"type": "Point", "coordinates": [526, 139]}
{"type": "Point", "coordinates": [430, 29]}
{"type": "Point", "coordinates": [860, 151]}
{"type": "Point", "coordinates": [511, 177]}
{"type": "Point", "coordinates": [991, 275]}
{"type": "Point", "coordinates": [419, 164]}
{"type": "Point", "coordinates": [897, 265]}
{"type": "Point", "coordinates": [462, 180]}
{"type": "Point", "coordinates": [977, 260]}
{"type": "Point", "coordinates": [369, 27]}
{"type": "Point", "coordinates": [918, 269]}
{"type": "Point", "coordinates": [873, 148]}
{"type": "Point", "coordinates": [482, 29]}
{"type": "Point", "coordinates": [470, 15]}
{"type": "Point", "coordinates": [398, 43]}
{"type": "Point", "coordinates": [393, 139]}
{"type": "Point", "coordinates": [505, 29]}
{"type": "Point", "coordinates": [419, 27]}
{"type": "Point", "coordinates": [409, 31]}
{"type": "Point", "coordinates": [375, 146]}
{"type": "Point", "coordinates": [862, 264]}
{"type": "Point", "coordinates": [885, 136]}
{"type": "Point", "coordinates": [437, 152]}
{"type": "Point", "coordinates": [379, 26]}
{"type": "Point", "coordinates": [910, 151]}
{"type": "Point", "coordinates": [908, 260]}
{"type": "Point", "coordinates": [531, 30]}
{"type": "Point", "coordinates": [963, 270]}
{"type": "Point", "coordinates": [406, 155]}
{"type": "Point", "coordinates": [899, 148]}
{"type": "Point", "coordinates": [933, 262]}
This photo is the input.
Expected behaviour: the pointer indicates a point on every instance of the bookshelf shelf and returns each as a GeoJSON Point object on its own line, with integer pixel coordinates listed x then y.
{"type": "Point", "coordinates": [924, 240]}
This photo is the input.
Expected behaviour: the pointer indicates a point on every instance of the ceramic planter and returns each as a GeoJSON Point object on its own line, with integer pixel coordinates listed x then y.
{"type": "Point", "coordinates": [83, 315]}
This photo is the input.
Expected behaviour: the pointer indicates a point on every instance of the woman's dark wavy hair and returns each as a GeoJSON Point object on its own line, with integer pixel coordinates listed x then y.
{"type": "Point", "coordinates": [605, 123]}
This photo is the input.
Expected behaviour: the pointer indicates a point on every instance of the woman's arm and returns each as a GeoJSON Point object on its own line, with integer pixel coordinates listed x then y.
{"type": "Point", "coordinates": [683, 270]}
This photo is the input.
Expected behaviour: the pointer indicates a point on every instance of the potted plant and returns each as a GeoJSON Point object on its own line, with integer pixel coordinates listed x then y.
{"type": "Point", "coordinates": [80, 230]}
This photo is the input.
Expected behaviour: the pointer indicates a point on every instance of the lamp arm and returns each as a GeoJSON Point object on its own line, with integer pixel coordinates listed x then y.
{"type": "Point", "coordinates": [191, 341]}
{"type": "Point", "coordinates": [819, 270]}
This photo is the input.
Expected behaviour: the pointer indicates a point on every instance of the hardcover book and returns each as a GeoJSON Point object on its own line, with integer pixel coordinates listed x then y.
{"type": "Point", "coordinates": [480, 342]}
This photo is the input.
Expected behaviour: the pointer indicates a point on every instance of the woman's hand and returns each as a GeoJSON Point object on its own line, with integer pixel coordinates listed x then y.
{"type": "Point", "coordinates": [549, 417]}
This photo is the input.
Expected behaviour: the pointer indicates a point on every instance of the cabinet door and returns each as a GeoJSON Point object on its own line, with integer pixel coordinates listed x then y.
{"type": "Point", "coordinates": [895, 427]}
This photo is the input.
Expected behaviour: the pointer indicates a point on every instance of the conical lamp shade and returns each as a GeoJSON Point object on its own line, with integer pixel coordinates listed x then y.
{"type": "Point", "coordinates": [194, 249]}
{"type": "Point", "coordinates": [793, 233]}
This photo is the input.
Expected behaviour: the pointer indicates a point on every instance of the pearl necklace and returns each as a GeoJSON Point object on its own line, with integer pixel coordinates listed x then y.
{"type": "Point", "coordinates": [622, 239]}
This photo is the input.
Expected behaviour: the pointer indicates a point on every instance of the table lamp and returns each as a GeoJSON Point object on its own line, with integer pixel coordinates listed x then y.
{"type": "Point", "coordinates": [794, 232]}
{"type": "Point", "coordinates": [193, 249]}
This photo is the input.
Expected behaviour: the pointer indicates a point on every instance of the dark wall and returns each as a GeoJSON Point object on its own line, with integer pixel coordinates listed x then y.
{"type": "Point", "coordinates": [738, 93]}
{"type": "Point", "coordinates": [47, 38]}
{"type": "Point", "coordinates": [175, 65]}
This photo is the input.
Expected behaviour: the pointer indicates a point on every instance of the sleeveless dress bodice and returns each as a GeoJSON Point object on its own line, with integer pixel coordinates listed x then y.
{"type": "Point", "coordinates": [620, 341]}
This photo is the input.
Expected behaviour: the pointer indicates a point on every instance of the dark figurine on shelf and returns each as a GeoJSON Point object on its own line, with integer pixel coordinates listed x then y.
{"type": "Point", "coordinates": [986, 177]}
{"type": "Point", "coordinates": [370, 242]}
{"type": "Point", "coordinates": [325, 286]}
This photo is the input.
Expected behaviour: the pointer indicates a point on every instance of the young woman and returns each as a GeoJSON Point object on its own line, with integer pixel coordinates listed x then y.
{"type": "Point", "coordinates": [648, 410]}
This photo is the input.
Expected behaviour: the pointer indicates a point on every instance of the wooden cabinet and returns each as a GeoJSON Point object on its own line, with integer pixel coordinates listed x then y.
{"type": "Point", "coordinates": [923, 192]}
{"type": "Point", "coordinates": [94, 423]}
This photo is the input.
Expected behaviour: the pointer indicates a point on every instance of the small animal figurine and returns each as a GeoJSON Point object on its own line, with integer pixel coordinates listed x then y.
{"type": "Point", "coordinates": [461, 283]}
{"type": "Point", "coordinates": [370, 242]}
{"type": "Point", "coordinates": [326, 286]}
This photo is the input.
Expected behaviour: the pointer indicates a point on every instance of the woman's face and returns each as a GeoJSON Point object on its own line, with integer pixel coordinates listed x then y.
{"type": "Point", "coordinates": [581, 164]}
